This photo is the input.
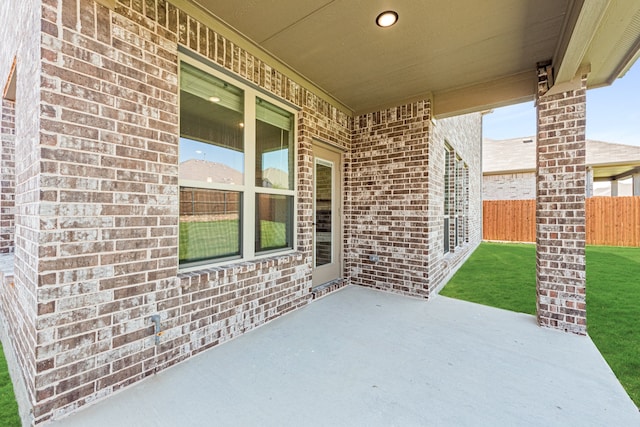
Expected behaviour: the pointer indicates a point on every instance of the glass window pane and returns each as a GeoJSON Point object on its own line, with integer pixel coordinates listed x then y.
{"type": "Point", "coordinates": [447, 182]}
{"type": "Point", "coordinates": [274, 146]}
{"type": "Point", "coordinates": [274, 222]}
{"type": "Point", "coordinates": [323, 207]}
{"type": "Point", "coordinates": [211, 128]}
{"type": "Point", "coordinates": [209, 224]}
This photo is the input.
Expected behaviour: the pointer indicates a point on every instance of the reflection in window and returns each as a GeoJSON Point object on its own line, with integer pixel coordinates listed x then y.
{"type": "Point", "coordinates": [209, 224]}
{"type": "Point", "coordinates": [274, 222]}
{"type": "Point", "coordinates": [274, 153]}
{"type": "Point", "coordinates": [211, 153]}
{"type": "Point", "coordinates": [323, 203]}
{"type": "Point", "coordinates": [456, 200]}
{"type": "Point", "coordinates": [448, 180]}
{"type": "Point", "coordinates": [211, 129]}
{"type": "Point", "coordinates": [237, 192]}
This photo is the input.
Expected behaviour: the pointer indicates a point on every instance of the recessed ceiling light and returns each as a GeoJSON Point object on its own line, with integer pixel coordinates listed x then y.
{"type": "Point", "coordinates": [214, 99]}
{"type": "Point", "coordinates": [387, 18]}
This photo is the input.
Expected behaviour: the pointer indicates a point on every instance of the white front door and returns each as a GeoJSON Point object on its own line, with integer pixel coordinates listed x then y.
{"type": "Point", "coordinates": [327, 213]}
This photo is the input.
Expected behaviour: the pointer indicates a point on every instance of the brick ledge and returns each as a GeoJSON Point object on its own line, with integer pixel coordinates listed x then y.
{"type": "Point", "coordinates": [329, 287]}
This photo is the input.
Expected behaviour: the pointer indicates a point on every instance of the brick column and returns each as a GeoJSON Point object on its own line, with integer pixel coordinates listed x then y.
{"type": "Point", "coordinates": [560, 207]}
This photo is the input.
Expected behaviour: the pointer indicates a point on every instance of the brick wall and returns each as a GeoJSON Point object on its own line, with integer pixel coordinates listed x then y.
{"type": "Point", "coordinates": [97, 201]}
{"type": "Point", "coordinates": [21, 41]}
{"type": "Point", "coordinates": [7, 176]}
{"type": "Point", "coordinates": [510, 186]}
{"type": "Point", "coordinates": [108, 256]}
{"type": "Point", "coordinates": [109, 201]}
{"type": "Point", "coordinates": [395, 198]}
{"type": "Point", "coordinates": [386, 205]}
{"type": "Point", "coordinates": [560, 208]}
{"type": "Point", "coordinates": [463, 134]}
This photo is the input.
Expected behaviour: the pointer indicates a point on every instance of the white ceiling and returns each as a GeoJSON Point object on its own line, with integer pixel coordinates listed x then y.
{"type": "Point", "coordinates": [466, 54]}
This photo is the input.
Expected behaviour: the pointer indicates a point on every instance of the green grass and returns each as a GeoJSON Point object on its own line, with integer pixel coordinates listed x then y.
{"type": "Point", "coordinates": [503, 276]}
{"type": "Point", "coordinates": [214, 239]}
{"type": "Point", "coordinates": [500, 275]}
{"type": "Point", "coordinates": [273, 234]}
{"type": "Point", "coordinates": [613, 311]}
{"type": "Point", "coordinates": [208, 239]}
{"type": "Point", "coordinates": [8, 406]}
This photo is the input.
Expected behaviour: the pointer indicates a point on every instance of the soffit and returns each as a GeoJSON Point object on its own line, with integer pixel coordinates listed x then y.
{"type": "Point", "coordinates": [608, 173]}
{"type": "Point", "coordinates": [615, 44]}
{"type": "Point", "coordinates": [466, 55]}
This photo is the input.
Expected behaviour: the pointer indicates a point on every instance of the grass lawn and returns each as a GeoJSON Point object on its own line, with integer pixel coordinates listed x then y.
{"type": "Point", "coordinates": [273, 235]}
{"type": "Point", "coordinates": [503, 275]}
{"type": "Point", "coordinates": [499, 275]}
{"type": "Point", "coordinates": [208, 239]}
{"type": "Point", "coordinates": [214, 239]}
{"type": "Point", "coordinates": [8, 406]}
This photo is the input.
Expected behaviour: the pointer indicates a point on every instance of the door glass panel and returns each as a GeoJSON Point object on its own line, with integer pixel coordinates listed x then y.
{"type": "Point", "coordinates": [324, 198]}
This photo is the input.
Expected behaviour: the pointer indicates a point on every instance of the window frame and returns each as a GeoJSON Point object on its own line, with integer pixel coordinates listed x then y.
{"type": "Point", "coordinates": [456, 200]}
{"type": "Point", "coordinates": [248, 189]}
{"type": "Point", "coordinates": [447, 196]}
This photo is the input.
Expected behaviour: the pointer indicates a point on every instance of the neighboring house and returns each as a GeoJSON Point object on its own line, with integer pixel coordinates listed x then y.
{"type": "Point", "coordinates": [509, 169]}
{"type": "Point", "coordinates": [177, 173]}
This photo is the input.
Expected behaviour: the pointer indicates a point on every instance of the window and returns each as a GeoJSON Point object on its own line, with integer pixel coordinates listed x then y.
{"type": "Point", "coordinates": [459, 202]}
{"type": "Point", "coordinates": [448, 196]}
{"type": "Point", "coordinates": [465, 197]}
{"type": "Point", "coordinates": [456, 200]}
{"type": "Point", "coordinates": [237, 192]}
{"type": "Point", "coordinates": [273, 166]}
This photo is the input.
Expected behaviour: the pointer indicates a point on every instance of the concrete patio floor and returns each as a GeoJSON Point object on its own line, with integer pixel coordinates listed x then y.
{"type": "Point", "coordinates": [360, 357]}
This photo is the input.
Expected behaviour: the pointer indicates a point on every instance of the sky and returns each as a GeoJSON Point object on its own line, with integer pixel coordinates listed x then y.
{"type": "Point", "coordinates": [613, 114]}
{"type": "Point", "coordinates": [189, 149]}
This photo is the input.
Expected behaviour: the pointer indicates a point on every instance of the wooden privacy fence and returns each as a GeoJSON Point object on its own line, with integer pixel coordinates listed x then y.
{"type": "Point", "coordinates": [509, 220]}
{"type": "Point", "coordinates": [613, 221]}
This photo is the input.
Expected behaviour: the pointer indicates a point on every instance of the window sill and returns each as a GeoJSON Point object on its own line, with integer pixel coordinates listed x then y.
{"type": "Point", "coordinates": [221, 267]}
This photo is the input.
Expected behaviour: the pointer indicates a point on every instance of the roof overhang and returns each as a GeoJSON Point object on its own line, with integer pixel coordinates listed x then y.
{"type": "Point", "coordinates": [466, 55]}
{"type": "Point", "coordinates": [614, 172]}
{"type": "Point", "coordinates": [601, 39]}
{"type": "Point", "coordinates": [606, 161]}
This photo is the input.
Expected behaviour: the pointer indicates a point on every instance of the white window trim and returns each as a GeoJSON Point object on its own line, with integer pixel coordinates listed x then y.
{"type": "Point", "coordinates": [248, 189]}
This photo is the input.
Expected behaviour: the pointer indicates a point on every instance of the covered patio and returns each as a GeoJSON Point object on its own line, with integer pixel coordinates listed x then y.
{"type": "Point", "coordinates": [107, 103]}
{"type": "Point", "coordinates": [363, 357]}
